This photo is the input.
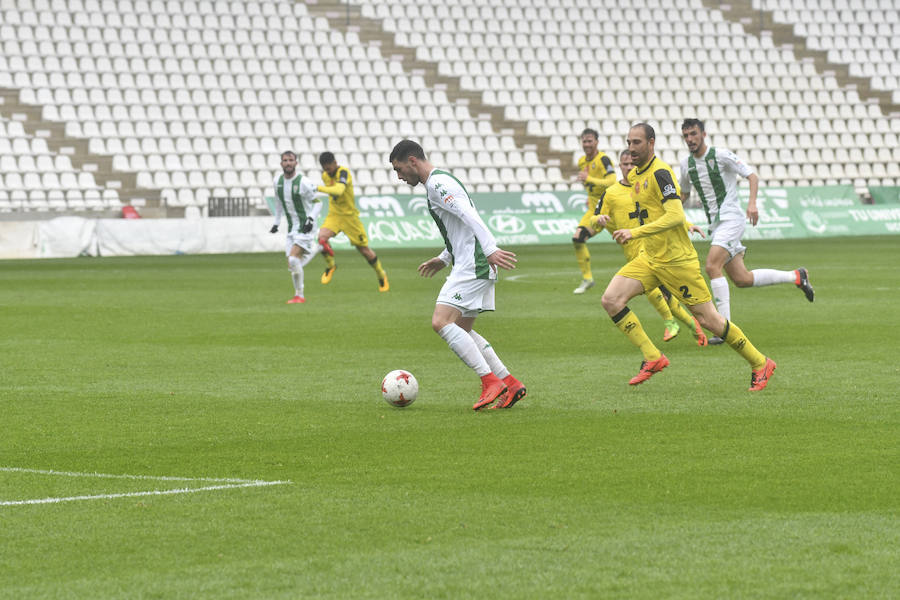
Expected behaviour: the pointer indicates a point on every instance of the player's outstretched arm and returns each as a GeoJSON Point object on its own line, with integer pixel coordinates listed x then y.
{"type": "Point", "coordinates": [502, 258]}
{"type": "Point", "coordinates": [432, 266]}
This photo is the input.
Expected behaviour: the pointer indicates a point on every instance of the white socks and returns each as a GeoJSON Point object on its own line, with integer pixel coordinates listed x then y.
{"type": "Point", "coordinates": [721, 296]}
{"type": "Point", "coordinates": [296, 268]}
{"type": "Point", "coordinates": [771, 277]}
{"type": "Point", "coordinates": [487, 351]}
{"type": "Point", "coordinates": [308, 256]}
{"type": "Point", "coordinates": [465, 348]}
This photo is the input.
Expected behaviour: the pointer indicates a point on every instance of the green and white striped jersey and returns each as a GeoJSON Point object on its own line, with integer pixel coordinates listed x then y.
{"type": "Point", "coordinates": [468, 242]}
{"type": "Point", "coordinates": [296, 198]}
{"type": "Point", "coordinates": [714, 179]}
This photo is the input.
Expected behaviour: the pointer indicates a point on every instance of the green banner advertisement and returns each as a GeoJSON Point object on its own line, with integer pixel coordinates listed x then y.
{"type": "Point", "coordinates": [521, 218]}
{"type": "Point", "coordinates": [885, 194]}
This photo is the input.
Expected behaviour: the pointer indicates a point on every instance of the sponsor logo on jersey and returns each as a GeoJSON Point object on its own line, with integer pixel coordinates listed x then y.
{"type": "Point", "coordinates": [669, 190]}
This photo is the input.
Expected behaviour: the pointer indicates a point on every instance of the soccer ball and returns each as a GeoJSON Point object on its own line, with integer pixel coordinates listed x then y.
{"type": "Point", "coordinates": [399, 388]}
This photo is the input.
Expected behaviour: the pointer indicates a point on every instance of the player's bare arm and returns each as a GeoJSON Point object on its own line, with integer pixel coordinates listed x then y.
{"type": "Point", "coordinates": [432, 266]}
{"type": "Point", "coordinates": [503, 258]}
{"type": "Point", "coordinates": [752, 211]}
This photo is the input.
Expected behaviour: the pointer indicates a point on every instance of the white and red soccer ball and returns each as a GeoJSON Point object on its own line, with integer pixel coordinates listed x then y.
{"type": "Point", "coordinates": [399, 388]}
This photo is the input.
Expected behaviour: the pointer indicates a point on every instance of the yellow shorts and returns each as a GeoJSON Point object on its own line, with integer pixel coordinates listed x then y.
{"type": "Point", "coordinates": [351, 226]}
{"type": "Point", "coordinates": [684, 280]}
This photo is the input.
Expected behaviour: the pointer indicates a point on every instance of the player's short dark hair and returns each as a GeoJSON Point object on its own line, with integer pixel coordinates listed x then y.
{"type": "Point", "coordinates": [326, 158]}
{"type": "Point", "coordinates": [623, 152]}
{"type": "Point", "coordinates": [288, 153]}
{"type": "Point", "coordinates": [688, 123]}
{"type": "Point", "coordinates": [589, 131]}
{"type": "Point", "coordinates": [649, 132]}
{"type": "Point", "coordinates": [406, 148]}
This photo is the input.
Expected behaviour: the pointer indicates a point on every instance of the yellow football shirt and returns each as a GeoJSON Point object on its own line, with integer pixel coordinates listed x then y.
{"type": "Point", "coordinates": [601, 175]}
{"type": "Point", "coordinates": [656, 198]}
{"type": "Point", "coordinates": [616, 202]}
{"type": "Point", "coordinates": [340, 188]}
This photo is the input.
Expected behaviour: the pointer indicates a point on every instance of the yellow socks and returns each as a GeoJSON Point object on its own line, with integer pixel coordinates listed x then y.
{"type": "Point", "coordinates": [658, 300]}
{"type": "Point", "coordinates": [628, 323]}
{"type": "Point", "coordinates": [376, 264]}
{"type": "Point", "coordinates": [735, 338]}
{"type": "Point", "coordinates": [680, 312]}
{"type": "Point", "coordinates": [583, 256]}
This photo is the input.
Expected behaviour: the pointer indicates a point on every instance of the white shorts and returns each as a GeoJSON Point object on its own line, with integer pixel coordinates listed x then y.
{"type": "Point", "coordinates": [727, 234]}
{"type": "Point", "coordinates": [470, 297]}
{"type": "Point", "coordinates": [306, 241]}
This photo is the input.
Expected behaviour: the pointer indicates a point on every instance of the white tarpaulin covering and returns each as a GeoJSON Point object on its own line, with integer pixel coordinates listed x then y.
{"type": "Point", "coordinates": [74, 236]}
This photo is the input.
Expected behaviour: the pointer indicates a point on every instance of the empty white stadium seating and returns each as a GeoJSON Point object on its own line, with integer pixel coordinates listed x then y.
{"type": "Point", "coordinates": [196, 96]}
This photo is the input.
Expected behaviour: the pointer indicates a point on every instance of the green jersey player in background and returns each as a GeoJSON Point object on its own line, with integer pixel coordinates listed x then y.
{"type": "Point", "coordinates": [712, 173]}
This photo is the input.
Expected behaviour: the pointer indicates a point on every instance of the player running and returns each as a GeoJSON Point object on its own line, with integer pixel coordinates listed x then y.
{"type": "Point", "coordinates": [713, 175]}
{"type": "Point", "coordinates": [296, 199]}
{"type": "Point", "coordinates": [667, 258]}
{"type": "Point", "coordinates": [615, 210]}
{"type": "Point", "coordinates": [596, 173]}
{"type": "Point", "coordinates": [344, 216]}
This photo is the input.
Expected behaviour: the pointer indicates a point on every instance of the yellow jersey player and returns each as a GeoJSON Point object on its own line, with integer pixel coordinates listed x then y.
{"type": "Point", "coordinates": [344, 216]}
{"type": "Point", "coordinates": [597, 173]}
{"type": "Point", "coordinates": [667, 258]}
{"type": "Point", "coordinates": [615, 210]}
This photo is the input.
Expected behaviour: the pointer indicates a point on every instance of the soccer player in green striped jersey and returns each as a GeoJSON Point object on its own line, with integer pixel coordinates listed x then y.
{"type": "Point", "coordinates": [712, 173]}
{"type": "Point", "coordinates": [473, 256]}
{"type": "Point", "coordinates": [296, 199]}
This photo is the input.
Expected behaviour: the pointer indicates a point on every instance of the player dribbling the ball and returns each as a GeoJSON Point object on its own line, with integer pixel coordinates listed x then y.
{"type": "Point", "coordinates": [474, 257]}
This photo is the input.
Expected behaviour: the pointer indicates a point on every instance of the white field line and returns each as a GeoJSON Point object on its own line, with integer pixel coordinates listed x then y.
{"type": "Point", "coordinates": [221, 484]}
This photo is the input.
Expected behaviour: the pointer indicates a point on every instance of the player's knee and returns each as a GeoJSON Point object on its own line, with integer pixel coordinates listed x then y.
{"type": "Point", "coordinates": [581, 236]}
{"type": "Point", "coordinates": [611, 304]}
{"type": "Point", "coordinates": [743, 281]}
{"type": "Point", "coordinates": [713, 271]}
{"type": "Point", "coordinates": [437, 324]}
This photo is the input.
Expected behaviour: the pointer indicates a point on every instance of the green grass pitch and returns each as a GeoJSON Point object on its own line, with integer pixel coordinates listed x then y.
{"type": "Point", "coordinates": [687, 486]}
